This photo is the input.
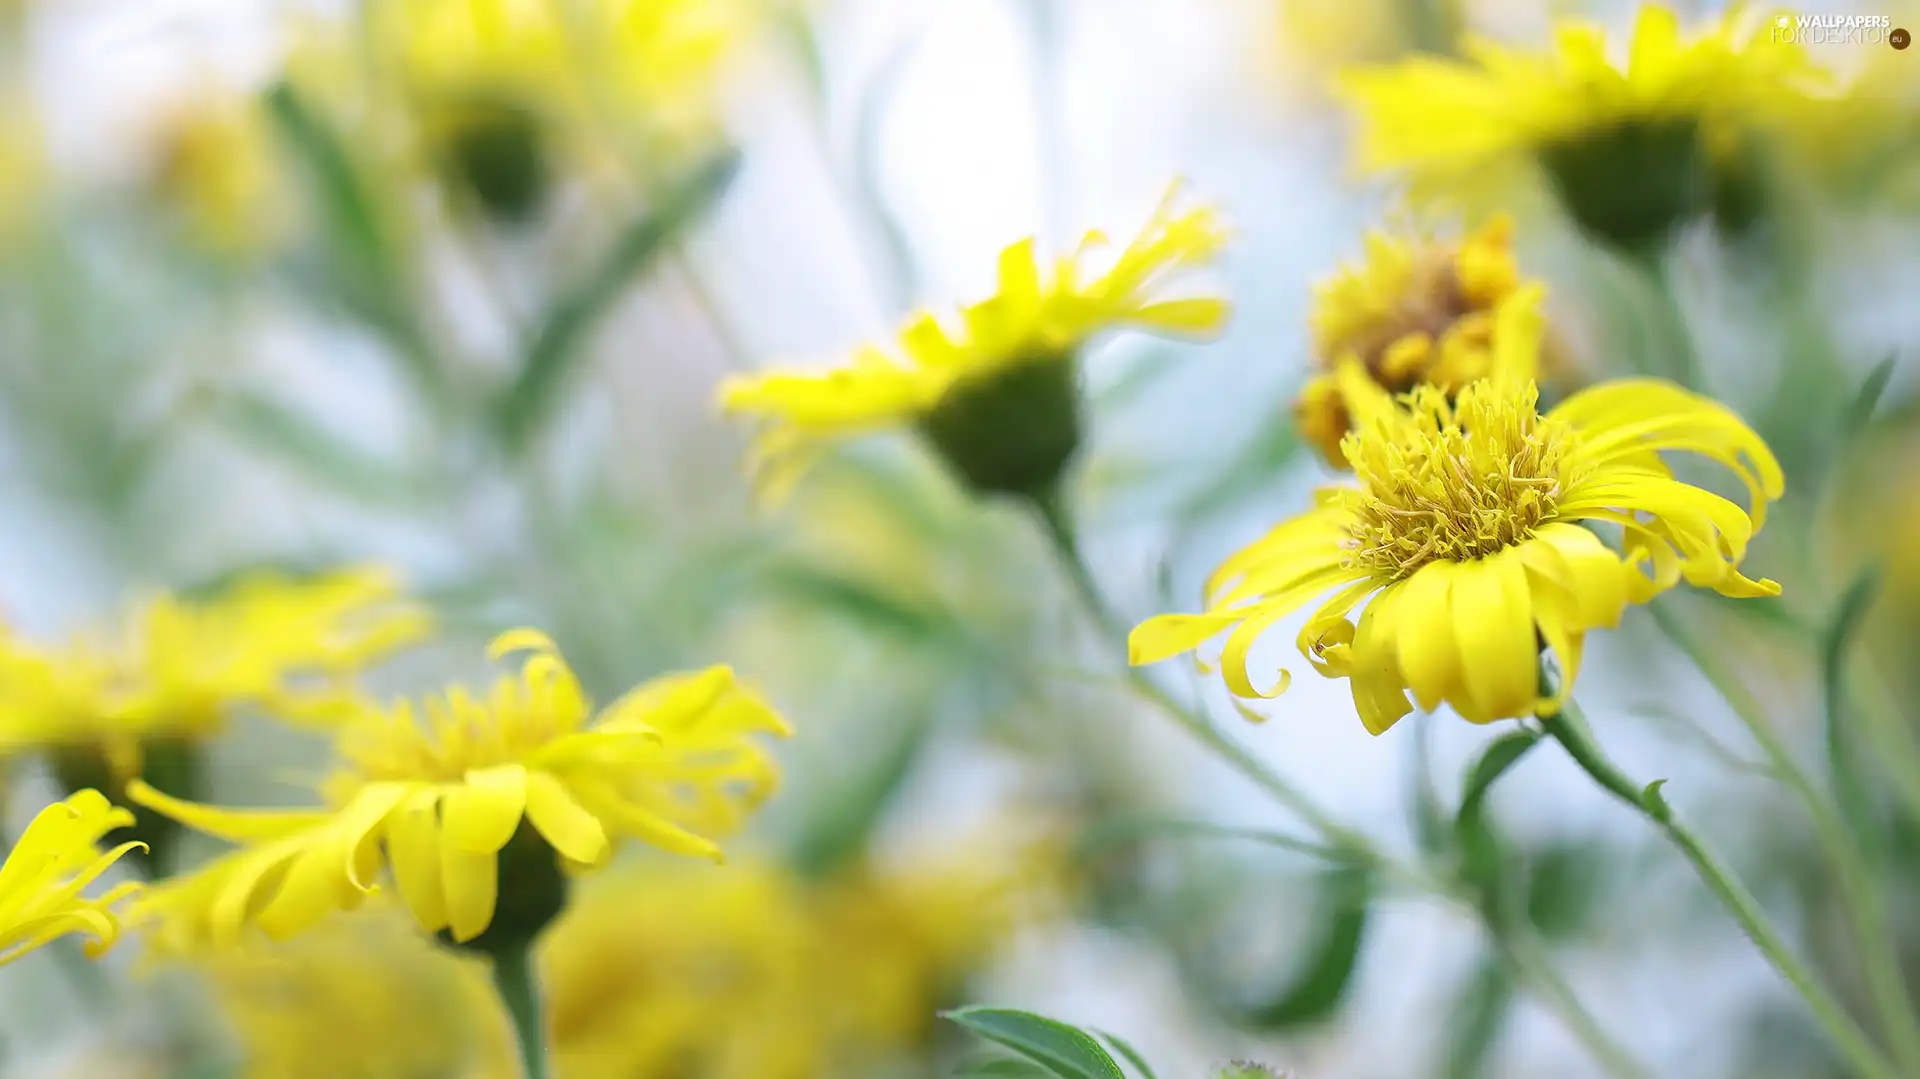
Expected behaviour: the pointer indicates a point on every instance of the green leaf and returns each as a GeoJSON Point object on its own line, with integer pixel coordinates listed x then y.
{"type": "Point", "coordinates": [1005, 1068]}
{"type": "Point", "coordinates": [1860, 409]}
{"type": "Point", "coordinates": [559, 340]}
{"type": "Point", "coordinates": [1324, 975]}
{"type": "Point", "coordinates": [1849, 785]}
{"type": "Point", "coordinates": [1068, 1052]}
{"type": "Point", "coordinates": [364, 271]}
{"type": "Point", "coordinates": [1480, 1010]}
{"type": "Point", "coordinates": [1563, 885]}
{"type": "Point", "coordinates": [316, 452]}
{"type": "Point", "coordinates": [1429, 817]}
{"type": "Point", "coordinates": [1655, 802]}
{"type": "Point", "coordinates": [1132, 1055]}
{"type": "Point", "coordinates": [1499, 755]}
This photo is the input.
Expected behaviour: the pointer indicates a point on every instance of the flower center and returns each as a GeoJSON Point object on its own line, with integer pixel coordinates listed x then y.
{"type": "Point", "coordinates": [1454, 481]}
{"type": "Point", "coordinates": [458, 732]}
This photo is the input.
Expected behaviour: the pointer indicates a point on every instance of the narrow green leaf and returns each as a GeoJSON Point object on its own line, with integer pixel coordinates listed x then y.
{"type": "Point", "coordinates": [1872, 388]}
{"type": "Point", "coordinates": [364, 271]}
{"type": "Point", "coordinates": [1499, 755]}
{"type": "Point", "coordinates": [1321, 981]}
{"type": "Point", "coordinates": [317, 453]}
{"type": "Point", "coordinates": [1480, 1010]}
{"type": "Point", "coordinates": [559, 340]}
{"type": "Point", "coordinates": [1005, 1068]}
{"type": "Point", "coordinates": [1563, 887]}
{"type": "Point", "coordinates": [1066, 1051]}
{"type": "Point", "coordinates": [1423, 799]}
{"type": "Point", "coordinates": [1131, 1054]}
{"type": "Point", "coordinates": [1849, 785]}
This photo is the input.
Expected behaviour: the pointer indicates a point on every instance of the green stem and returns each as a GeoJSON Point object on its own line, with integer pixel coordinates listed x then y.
{"type": "Point", "coordinates": [513, 979]}
{"type": "Point", "coordinates": [1522, 956]}
{"type": "Point", "coordinates": [1569, 728]}
{"type": "Point", "coordinates": [1866, 913]}
{"type": "Point", "coordinates": [1060, 531]}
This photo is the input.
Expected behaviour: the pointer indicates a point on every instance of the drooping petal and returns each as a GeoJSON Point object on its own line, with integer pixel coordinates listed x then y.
{"type": "Point", "coordinates": [1493, 623]}
{"type": "Point", "coordinates": [481, 814]}
{"type": "Point", "coordinates": [574, 832]}
{"type": "Point", "coordinates": [1430, 660]}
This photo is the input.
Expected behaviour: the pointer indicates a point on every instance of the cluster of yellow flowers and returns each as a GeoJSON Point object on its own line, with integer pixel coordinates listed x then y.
{"type": "Point", "coordinates": [1476, 534]}
{"type": "Point", "coordinates": [1465, 533]}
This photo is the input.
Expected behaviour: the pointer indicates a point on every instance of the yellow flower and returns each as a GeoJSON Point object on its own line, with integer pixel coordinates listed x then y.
{"type": "Point", "coordinates": [756, 973]}
{"type": "Point", "coordinates": [1463, 526]}
{"type": "Point", "coordinates": [214, 166]}
{"type": "Point", "coordinates": [1420, 311]}
{"type": "Point", "coordinates": [1627, 148]}
{"type": "Point", "coordinates": [667, 59]}
{"type": "Point", "coordinates": [671, 763]}
{"type": "Point", "coordinates": [55, 859]}
{"type": "Point", "coordinates": [996, 396]}
{"type": "Point", "coordinates": [367, 999]}
{"type": "Point", "coordinates": [179, 668]}
{"type": "Point", "coordinates": [22, 168]}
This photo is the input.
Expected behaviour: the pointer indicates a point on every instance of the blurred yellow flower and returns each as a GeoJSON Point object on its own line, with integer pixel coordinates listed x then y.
{"type": "Point", "coordinates": [214, 166]}
{"type": "Point", "coordinates": [45, 872]}
{"type": "Point", "coordinates": [1627, 148]}
{"type": "Point", "coordinates": [21, 168]}
{"type": "Point", "coordinates": [996, 395]}
{"type": "Point", "coordinates": [510, 95]}
{"type": "Point", "coordinates": [753, 972]}
{"type": "Point", "coordinates": [442, 804]}
{"type": "Point", "coordinates": [366, 999]}
{"type": "Point", "coordinates": [178, 668]}
{"type": "Point", "coordinates": [1420, 311]}
{"type": "Point", "coordinates": [1313, 38]}
{"type": "Point", "coordinates": [1463, 528]}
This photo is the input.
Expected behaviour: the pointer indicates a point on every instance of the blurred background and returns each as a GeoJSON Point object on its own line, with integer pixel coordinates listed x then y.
{"type": "Point", "coordinates": [301, 286]}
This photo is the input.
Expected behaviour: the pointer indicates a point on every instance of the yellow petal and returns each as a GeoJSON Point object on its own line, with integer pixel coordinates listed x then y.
{"type": "Point", "coordinates": [413, 849]}
{"type": "Point", "coordinates": [481, 814]}
{"type": "Point", "coordinates": [1493, 623]}
{"type": "Point", "coordinates": [472, 883]}
{"type": "Point", "coordinates": [1429, 658]}
{"type": "Point", "coordinates": [574, 832]}
{"type": "Point", "coordinates": [1167, 635]}
{"type": "Point", "coordinates": [235, 825]}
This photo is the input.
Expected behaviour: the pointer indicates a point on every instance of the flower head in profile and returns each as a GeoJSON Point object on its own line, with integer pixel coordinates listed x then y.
{"type": "Point", "coordinates": [1628, 147]}
{"type": "Point", "coordinates": [177, 669]}
{"type": "Point", "coordinates": [473, 803]}
{"type": "Point", "coordinates": [57, 857]}
{"type": "Point", "coordinates": [1418, 311]}
{"type": "Point", "coordinates": [1465, 534]}
{"type": "Point", "coordinates": [995, 394]}
{"type": "Point", "coordinates": [510, 96]}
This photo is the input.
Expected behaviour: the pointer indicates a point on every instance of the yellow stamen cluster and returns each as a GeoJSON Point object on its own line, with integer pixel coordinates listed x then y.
{"type": "Point", "coordinates": [1453, 480]}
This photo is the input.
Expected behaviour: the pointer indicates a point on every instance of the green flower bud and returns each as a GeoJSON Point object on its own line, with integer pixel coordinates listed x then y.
{"type": "Point", "coordinates": [496, 148]}
{"type": "Point", "coordinates": [1632, 185]}
{"type": "Point", "coordinates": [1011, 429]}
